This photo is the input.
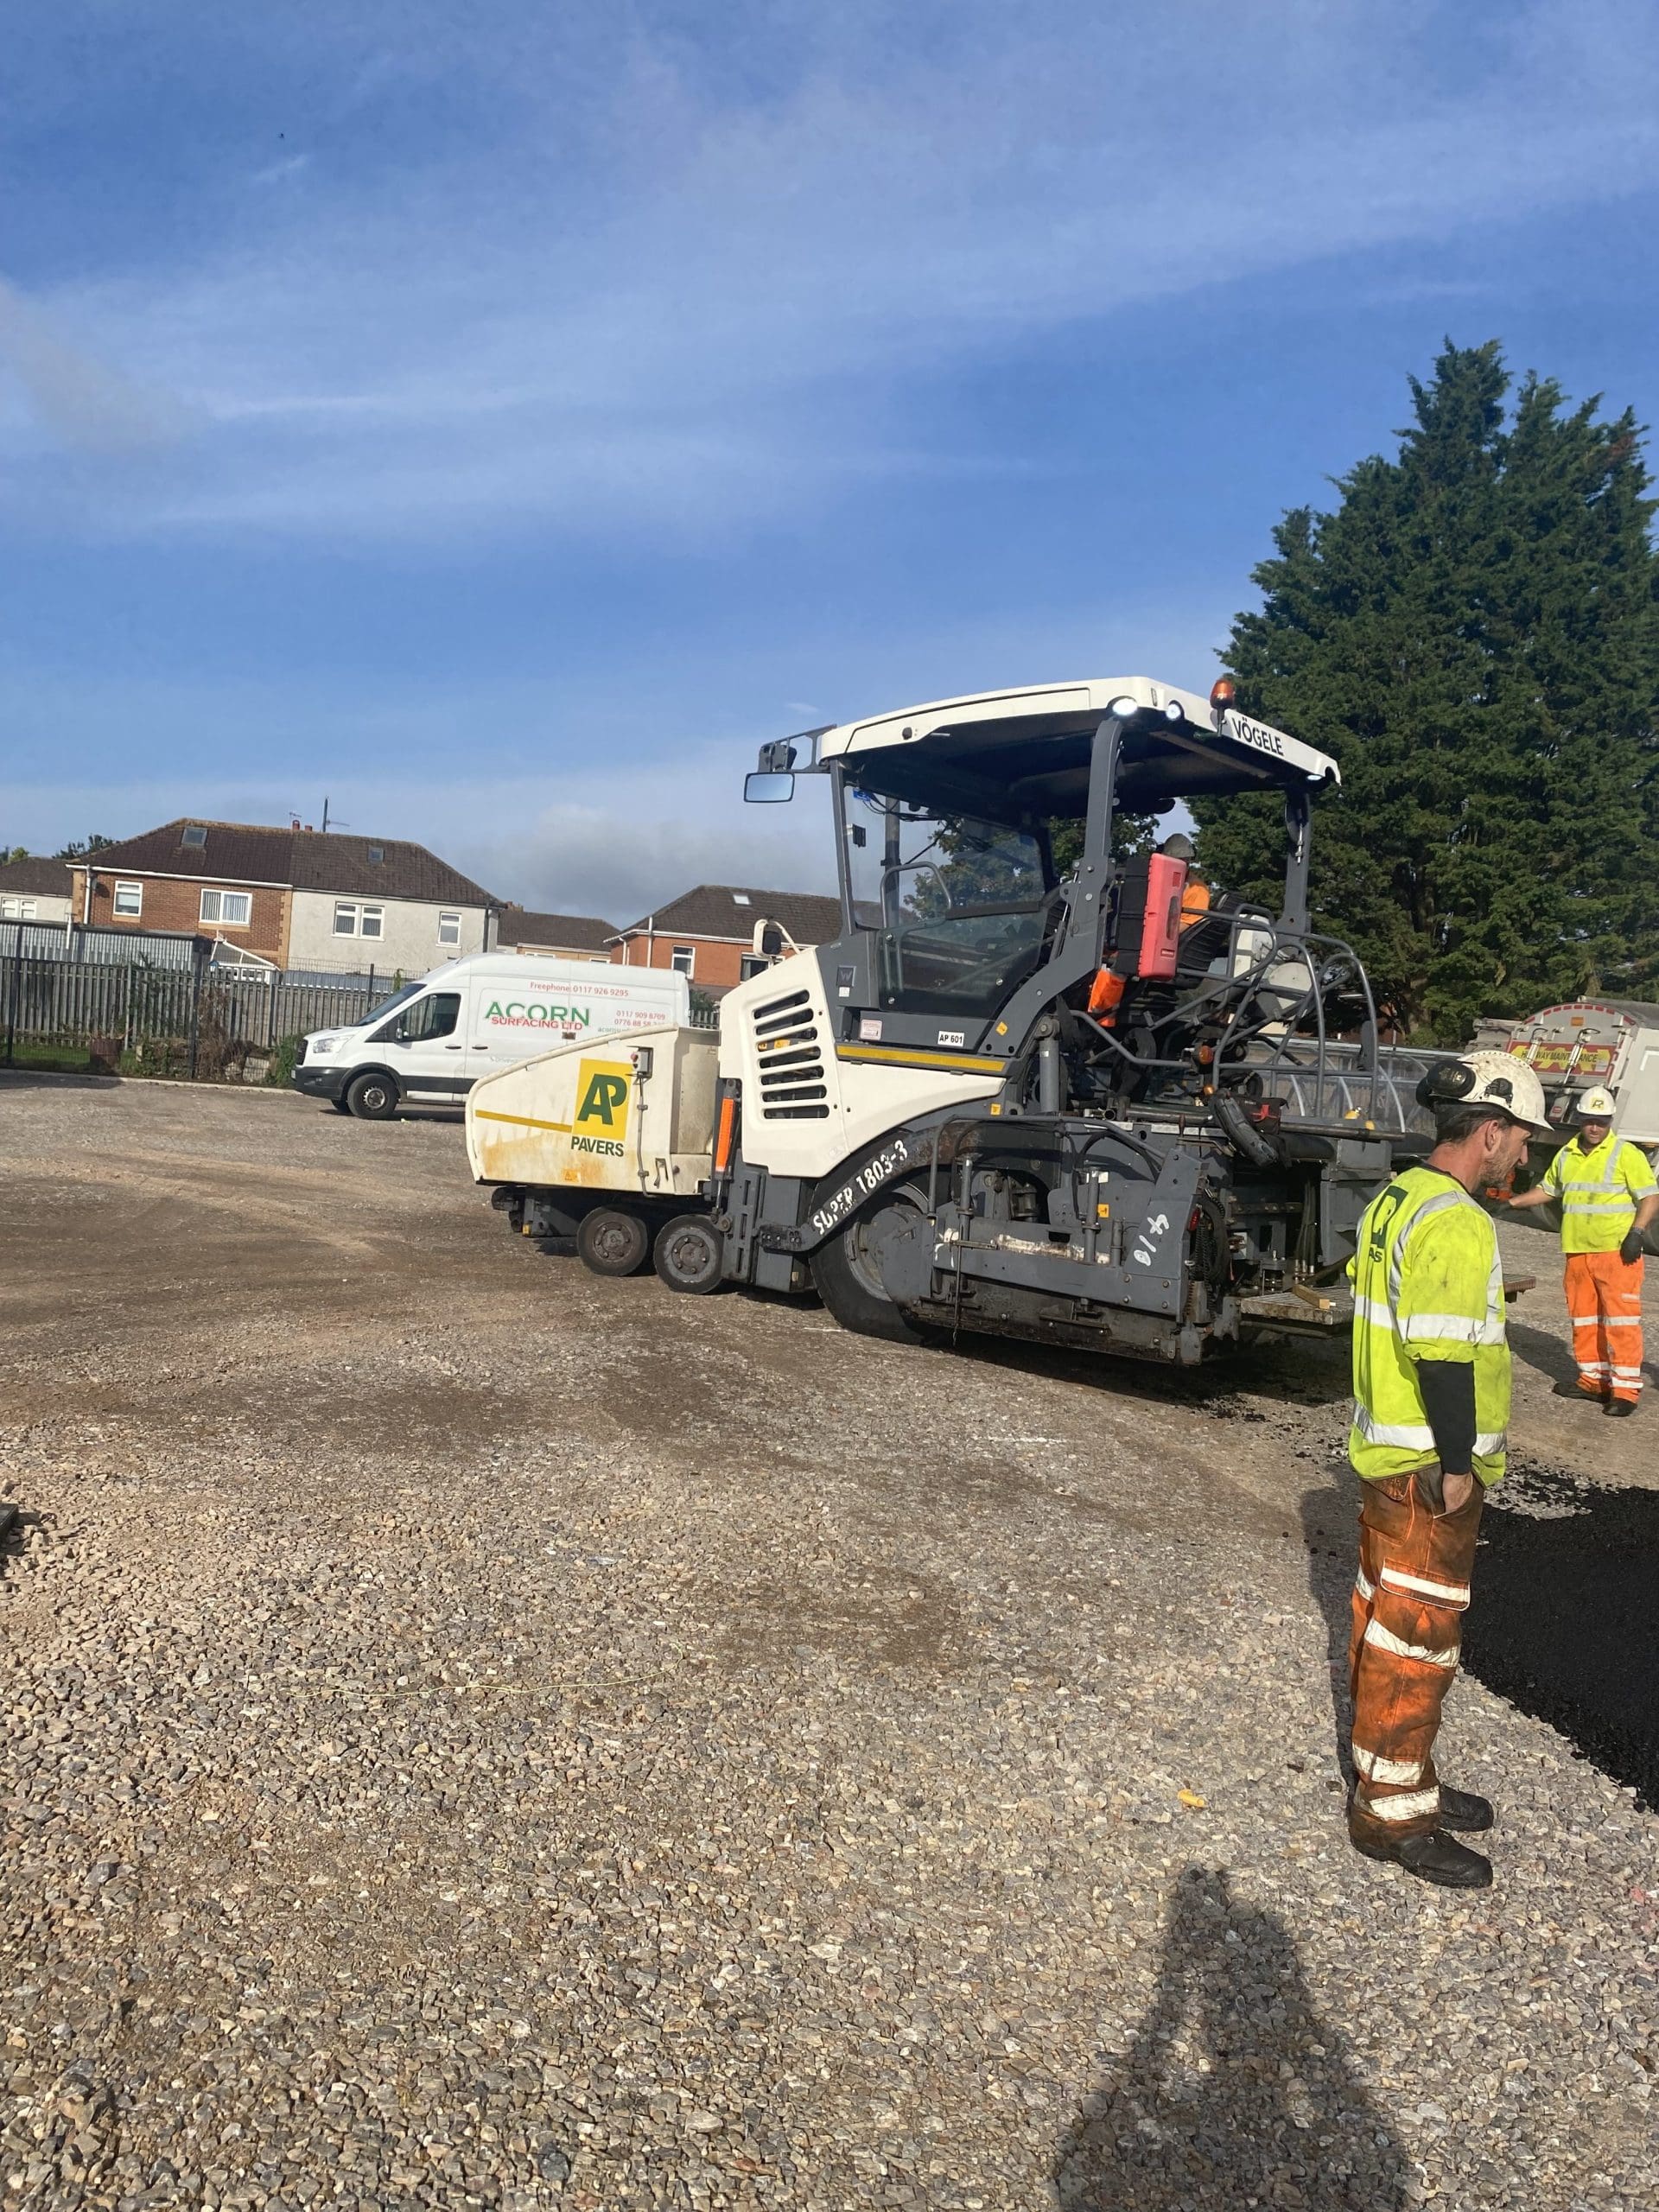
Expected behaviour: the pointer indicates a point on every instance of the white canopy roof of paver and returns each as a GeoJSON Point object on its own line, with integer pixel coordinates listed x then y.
{"type": "Point", "coordinates": [1053, 708]}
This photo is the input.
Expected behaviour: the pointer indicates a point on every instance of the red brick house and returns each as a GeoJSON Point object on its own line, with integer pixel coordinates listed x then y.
{"type": "Point", "coordinates": [301, 898]}
{"type": "Point", "coordinates": [707, 934]}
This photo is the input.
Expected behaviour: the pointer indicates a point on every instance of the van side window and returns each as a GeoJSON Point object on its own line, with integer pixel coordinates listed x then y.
{"type": "Point", "coordinates": [435, 1016]}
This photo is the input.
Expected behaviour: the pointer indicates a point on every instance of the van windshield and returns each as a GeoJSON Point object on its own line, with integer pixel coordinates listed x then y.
{"type": "Point", "coordinates": [387, 1006]}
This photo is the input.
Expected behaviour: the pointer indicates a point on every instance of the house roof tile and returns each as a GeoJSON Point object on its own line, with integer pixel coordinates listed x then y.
{"type": "Point", "coordinates": [580, 932]}
{"type": "Point", "coordinates": [36, 878]}
{"type": "Point", "coordinates": [305, 860]}
{"type": "Point", "coordinates": [728, 909]}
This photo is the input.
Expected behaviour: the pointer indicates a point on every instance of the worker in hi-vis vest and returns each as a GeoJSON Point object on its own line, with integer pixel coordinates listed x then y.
{"type": "Point", "coordinates": [1608, 1196]}
{"type": "Point", "coordinates": [1430, 1411]}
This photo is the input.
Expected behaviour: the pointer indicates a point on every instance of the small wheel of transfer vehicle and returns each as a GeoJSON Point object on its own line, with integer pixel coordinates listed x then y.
{"type": "Point", "coordinates": [613, 1243]}
{"type": "Point", "coordinates": [689, 1255]}
{"type": "Point", "coordinates": [847, 1272]}
{"type": "Point", "coordinates": [372, 1098]}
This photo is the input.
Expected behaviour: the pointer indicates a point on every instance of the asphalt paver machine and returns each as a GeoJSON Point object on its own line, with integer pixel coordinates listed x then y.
{"type": "Point", "coordinates": [1095, 1105]}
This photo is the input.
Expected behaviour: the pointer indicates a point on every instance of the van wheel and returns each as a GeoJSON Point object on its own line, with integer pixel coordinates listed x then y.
{"type": "Point", "coordinates": [847, 1275]}
{"type": "Point", "coordinates": [372, 1098]}
{"type": "Point", "coordinates": [341, 1105]}
{"type": "Point", "coordinates": [613, 1243]}
{"type": "Point", "coordinates": [689, 1255]}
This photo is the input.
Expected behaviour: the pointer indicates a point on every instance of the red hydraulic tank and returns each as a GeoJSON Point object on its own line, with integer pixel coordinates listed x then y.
{"type": "Point", "coordinates": [1161, 924]}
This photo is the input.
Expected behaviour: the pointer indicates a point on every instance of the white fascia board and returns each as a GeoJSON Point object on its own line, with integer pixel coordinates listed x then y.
{"type": "Point", "coordinates": [909, 725]}
{"type": "Point", "coordinates": [170, 875]}
{"type": "Point", "coordinates": [391, 899]}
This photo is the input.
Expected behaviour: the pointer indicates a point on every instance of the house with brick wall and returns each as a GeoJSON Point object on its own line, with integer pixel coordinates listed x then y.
{"type": "Point", "coordinates": [301, 898]}
{"type": "Point", "coordinates": [34, 891]}
{"type": "Point", "coordinates": [708, 933]}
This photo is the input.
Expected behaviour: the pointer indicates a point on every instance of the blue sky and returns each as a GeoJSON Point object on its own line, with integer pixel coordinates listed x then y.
{"type": "Point", "coordinates": [502, 418]}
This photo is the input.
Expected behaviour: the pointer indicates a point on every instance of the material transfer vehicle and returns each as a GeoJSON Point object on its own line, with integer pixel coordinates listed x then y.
{"type": "Point", "coordinates": [432, 1041]}
{"type": "Point", "coordinates": [1095, 1105]}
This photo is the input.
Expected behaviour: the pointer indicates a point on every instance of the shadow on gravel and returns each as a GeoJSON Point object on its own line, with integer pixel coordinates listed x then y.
{"type": "Point", "coordinates": [1544, 1353]}
{"type": "Point", "coordinates": [1330, 1533]}
{"type": "Point", "coordinates": [1561, 1619]}
{"type": "Point", "coordinates": [1234, 2092]}
{"type": "Point", "coordinates": [1297, 1371]}
{"type": "Point", "coordinates": [1552, 1355]}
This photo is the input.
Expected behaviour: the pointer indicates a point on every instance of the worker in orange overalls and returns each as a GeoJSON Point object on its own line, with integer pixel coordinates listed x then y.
{"type": "Point", "coordinates": [1608, 1196]}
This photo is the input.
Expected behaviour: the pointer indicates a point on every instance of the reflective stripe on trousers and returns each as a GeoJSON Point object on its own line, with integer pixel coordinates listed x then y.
{"type": "Point", "coordinates": [1408, 1601]}
{"type": "Point", "coordinates": [1603, 1298]}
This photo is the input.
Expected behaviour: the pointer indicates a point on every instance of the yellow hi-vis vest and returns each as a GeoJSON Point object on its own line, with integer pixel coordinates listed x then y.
{"type": "Point", "coordinates": [1428, 1285]}
{"type": "Point", "coordinates": [1600, 1192]}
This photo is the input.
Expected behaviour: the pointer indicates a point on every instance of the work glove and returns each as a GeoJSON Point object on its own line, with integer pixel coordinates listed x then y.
{"type": "Point", "coordinates": [1633, 1246]}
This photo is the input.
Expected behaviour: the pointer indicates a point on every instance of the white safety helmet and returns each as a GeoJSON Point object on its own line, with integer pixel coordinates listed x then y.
{"type": "Point", "coordinates": [1597, 1104]}
{"type": "Point", "coordinates": [1499, 1079]}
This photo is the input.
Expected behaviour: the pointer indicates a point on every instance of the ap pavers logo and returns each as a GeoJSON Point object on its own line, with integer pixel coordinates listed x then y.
{"type": "Point", "coordinates": [602, 1123]}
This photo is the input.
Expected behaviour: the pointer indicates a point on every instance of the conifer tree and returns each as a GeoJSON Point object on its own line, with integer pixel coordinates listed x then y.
{"type": "Point", "coordinates": [1474, 634]}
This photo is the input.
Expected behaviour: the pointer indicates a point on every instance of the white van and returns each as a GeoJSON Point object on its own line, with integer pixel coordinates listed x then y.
{"type": "Point", "coordinates": [432, 1041]}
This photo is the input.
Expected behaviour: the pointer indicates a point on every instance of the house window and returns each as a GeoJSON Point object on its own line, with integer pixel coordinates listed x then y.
{"type": "Point", "coordinates": [345, 920]}
{"type": "Point", "coordinates": [130, 900]}
{"type": "Point", "coordinates": [352, 920]}
{"type": "Point", "coordinates": [752, 964]}
{"type": "Point", "coordinates": [683, 960]}
{"type": "Point", "coordinates": [195, 838]}
{"type": "Point", "coordinates": [17, 910]}
{"type": "Point", "coordinates": [372, 922]}
{"type": "Point", "coordinates": [232, 910]}
{"type": "Point", "coordinates": [377, 854]}
{"type": "Point", "coordinates": [449, 928]}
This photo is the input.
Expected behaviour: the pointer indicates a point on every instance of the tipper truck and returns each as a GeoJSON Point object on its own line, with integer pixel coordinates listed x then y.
{"type": "Point", "coordinates": [1612, 1044]}
{"type": "Point", "coordinates": [1093, 1105]}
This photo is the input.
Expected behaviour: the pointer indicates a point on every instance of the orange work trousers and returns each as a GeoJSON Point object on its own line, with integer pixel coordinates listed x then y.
{"type": "Point", "coordinates": [1603, 1298]}
{"type": "Point", "coordinates": [1409, 1599]}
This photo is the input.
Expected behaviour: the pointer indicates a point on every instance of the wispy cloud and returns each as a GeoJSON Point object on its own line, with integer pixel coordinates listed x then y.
{"type": "Point", "coordinates": [79, 400]}
{"type": "Point", "coordinates": [292, 165]}
{"type": "Point", "coordinates": [675, 297]}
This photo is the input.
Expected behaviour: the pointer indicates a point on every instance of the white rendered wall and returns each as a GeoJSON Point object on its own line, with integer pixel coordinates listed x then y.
{"type": "Point", "coordinates": [408, 938]}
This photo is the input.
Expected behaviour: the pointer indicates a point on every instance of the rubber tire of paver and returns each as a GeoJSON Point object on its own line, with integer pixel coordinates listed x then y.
{"type": "Point", "coordinates": [843, 1278]}
{"type": "Point", "coordinates": [372, 1097]}
{"type": "Point", "coordinates": [689, 1256]}
{"type": "Point", "coordinates": [612, 1242]}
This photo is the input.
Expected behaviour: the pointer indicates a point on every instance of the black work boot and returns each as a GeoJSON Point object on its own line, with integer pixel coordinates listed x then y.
{"type": "Point", "coordinates": [1620, 1409]}
{"type": "Point", "coordinates": [1436, 1857]}
{"type": "Point", "coordinates": [1462, 1811]}
{"type": "Point", "coordinates": [1577, 1391]}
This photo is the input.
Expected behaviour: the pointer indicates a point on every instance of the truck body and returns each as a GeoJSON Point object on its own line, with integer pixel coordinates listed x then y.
{"type": "Point", "coordinates": [1081, 1106]}
{"type": "Point", "coordinates": [1611, 1042]}
{"type": "Point", "coordinates": [432, 1041]}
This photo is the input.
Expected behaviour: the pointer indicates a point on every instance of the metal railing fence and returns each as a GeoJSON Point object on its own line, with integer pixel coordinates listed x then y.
{"type": "Point", "coordinates": [201, 1022]}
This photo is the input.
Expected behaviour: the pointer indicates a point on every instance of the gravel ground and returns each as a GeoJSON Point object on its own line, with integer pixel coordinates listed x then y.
{"type": "Point", "coordinates": [480, 1735]}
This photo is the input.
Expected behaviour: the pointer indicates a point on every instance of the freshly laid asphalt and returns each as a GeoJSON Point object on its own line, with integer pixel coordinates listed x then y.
{"type": "Point", "coordinates": [482, 1735]}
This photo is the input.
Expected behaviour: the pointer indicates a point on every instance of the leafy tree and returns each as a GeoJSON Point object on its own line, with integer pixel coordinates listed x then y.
{"type": "Point", "coordinates": [79, 848]}
{"type": "Point", "coordinates": [1473, 634]}
{"type": "Point", "coordinates": [8, 853]}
